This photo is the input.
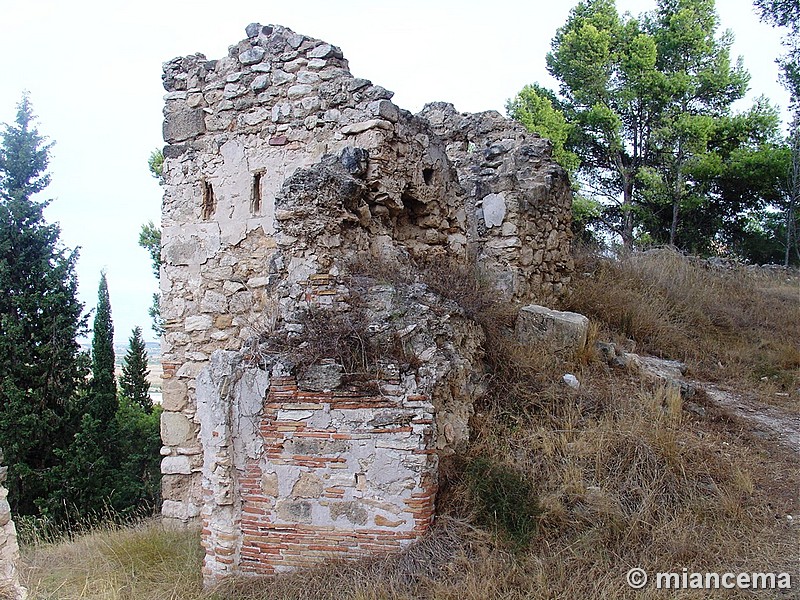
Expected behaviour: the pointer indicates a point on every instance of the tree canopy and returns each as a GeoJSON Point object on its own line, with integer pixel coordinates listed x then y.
{"type": "Point", "coordinates": [133, 383]}
{"type": "Point", "coordinates": [41, 367]}
{"type": "Point", "coordinates": [644, 105]}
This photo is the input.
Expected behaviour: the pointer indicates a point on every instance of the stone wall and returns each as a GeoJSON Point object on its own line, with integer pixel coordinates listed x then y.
{"type": "Point", "coordinates": [518, 201]}
{"type": "Point", "coordinates": [10, 587]}
{"type": "Point", "coordinates": [280, 169]}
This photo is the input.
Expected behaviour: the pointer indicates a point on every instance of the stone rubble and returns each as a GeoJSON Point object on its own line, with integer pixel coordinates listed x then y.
{"type": "Point", "coordinates": [282, 171]}
{"type": "Point", "coordinates": [653, 370]}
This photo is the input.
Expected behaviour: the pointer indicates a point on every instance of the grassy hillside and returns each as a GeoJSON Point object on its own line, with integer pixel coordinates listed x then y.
{"type": "Point", "coordinates": [562, 491]}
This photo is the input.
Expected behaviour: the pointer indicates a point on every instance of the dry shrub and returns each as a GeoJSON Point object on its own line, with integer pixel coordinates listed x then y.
{"type": "Point", "coordinates": [341, 336]}
{"type": "Point", "coordinates": [344, 336]}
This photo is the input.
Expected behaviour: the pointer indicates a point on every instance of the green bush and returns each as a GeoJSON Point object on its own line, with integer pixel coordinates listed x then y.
{"type": "Point", "coordinates": [503, 499]}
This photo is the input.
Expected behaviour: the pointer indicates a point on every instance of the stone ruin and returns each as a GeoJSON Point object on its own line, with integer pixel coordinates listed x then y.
{"type": "Point", "coordinates": [10, 587]}
{"type": "Point", "coordinates": [308, 393]}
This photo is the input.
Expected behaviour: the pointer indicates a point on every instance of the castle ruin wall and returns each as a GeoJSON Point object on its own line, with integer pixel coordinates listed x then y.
{"type": "Point", "coordinates": [280, 169]}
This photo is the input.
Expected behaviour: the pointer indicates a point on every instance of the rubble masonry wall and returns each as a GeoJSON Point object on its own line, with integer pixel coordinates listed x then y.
{"type": "Point", "coordinates": [280, 167]}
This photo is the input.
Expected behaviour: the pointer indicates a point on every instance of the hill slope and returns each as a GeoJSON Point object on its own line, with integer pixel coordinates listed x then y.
{"type": "Point", "coordinates": [563, 491]}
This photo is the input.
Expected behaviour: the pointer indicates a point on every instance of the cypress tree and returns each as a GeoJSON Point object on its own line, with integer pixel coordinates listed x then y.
{"type": "Point", "coordinates": [133, 383]}
{"type": "Point", "coordinates": [88, 472]}
{"type": "Point", "coordinates": [41, 365]}
{"type": "Point", "coordinates": [103, 398]}
{"type": "Point", "coordinates": [138, 479]}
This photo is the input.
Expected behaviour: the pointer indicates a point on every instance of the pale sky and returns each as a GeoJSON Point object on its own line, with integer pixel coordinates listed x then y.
{"type": "Point", "coordinates": [93, 70]}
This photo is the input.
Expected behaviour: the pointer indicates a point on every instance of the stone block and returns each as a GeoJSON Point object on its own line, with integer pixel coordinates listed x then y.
{"type": "Point", "coordinates": [260, 83]}
{"type": "Point", "coordinates": [280, 77]}
{"type": "Point", "coordinates": [173, 509]}
{"type": "Point", "coordinates": [269, 484]}
{"type": "Point", "coordinates": [562, 331]}
{"type": "Point", "coordinates": [176, 429]}
{"type": "Point", "coordinates": [384, 109]}
{"type": "Point", "coordinates": [295, 40]}
{"type": "Point", "coordinates": [223, 321]}
{"type": "Point", "coordinates": [299, 90]}
{"type": "Point", "coordinates": [382, 521]}
{"type": "Point", "coordinates": [294, 511]}
{"type": "Point", "coordinates": [494, 209]}
{"type": "Point", "coordinates": [353, 512]}
{"type": "Point", "coordinates": [307, 77]}
{"type": "Point", "coordinates": [325, 51]}
{"type": "Point", "coordinates": [307, 486]}
{"type": "Point", "coordinates": [214, 302]}
{"type": "Point", "coordinates": [252, 55]}
{"type": "Point", "coordinates": [176, 465]}
{"type": "Point", "coordinates": [363, 126]}
{"type": "Point", "coordinates": [184, 124]}
{"type": "Point", "coordinates": [321, 377]}
{"type": "Point", "coordinates": [241, 302]}
{"type": "Point", "coordinates": [198, 323]}
{"type": "Point", "coordinates": [175, 486]}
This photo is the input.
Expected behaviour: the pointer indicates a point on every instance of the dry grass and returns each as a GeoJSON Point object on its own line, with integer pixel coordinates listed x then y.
{"type": "Point", "coordinates": [737, 326]}
{"type": "Point", "coordinates": [625, 478]}
{"type": "Point", "coordinates": [116, 563]}
{"type": "Point", "coordinates": [619, 474]}
{"type": "Point", "coordinates": [622, 477]}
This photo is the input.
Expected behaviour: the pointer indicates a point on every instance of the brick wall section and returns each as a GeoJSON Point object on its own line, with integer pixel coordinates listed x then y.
{"type": "Point", "coordinates": [341, 473]}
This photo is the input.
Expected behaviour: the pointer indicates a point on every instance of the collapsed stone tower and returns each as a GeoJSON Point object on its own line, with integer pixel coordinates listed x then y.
{"type": "Point", "coordinates": [308, 392]}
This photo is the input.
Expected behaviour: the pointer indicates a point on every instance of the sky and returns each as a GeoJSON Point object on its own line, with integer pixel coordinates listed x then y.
{"type": "Point", "coordinates": [93, 71]}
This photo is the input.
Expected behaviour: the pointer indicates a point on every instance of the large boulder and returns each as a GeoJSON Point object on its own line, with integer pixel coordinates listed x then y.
{"type": "Point", "coordinates": [562, 331]}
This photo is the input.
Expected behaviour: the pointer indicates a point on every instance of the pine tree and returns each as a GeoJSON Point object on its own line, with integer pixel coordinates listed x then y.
{"type": "Point", "coordinates": [133, 383]}
{"type": "Point", "coordinates": [41, 365]}
{"type": "Point", "coordinates": [646, 106]}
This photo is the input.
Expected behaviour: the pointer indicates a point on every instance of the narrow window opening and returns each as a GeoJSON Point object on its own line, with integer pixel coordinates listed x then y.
{"type": "Point", "coordinates": [209, 204]}
{"type": "Point", "coordinates": [255, 194]}
{"type": "Point", "coordinates": [427, 175]}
